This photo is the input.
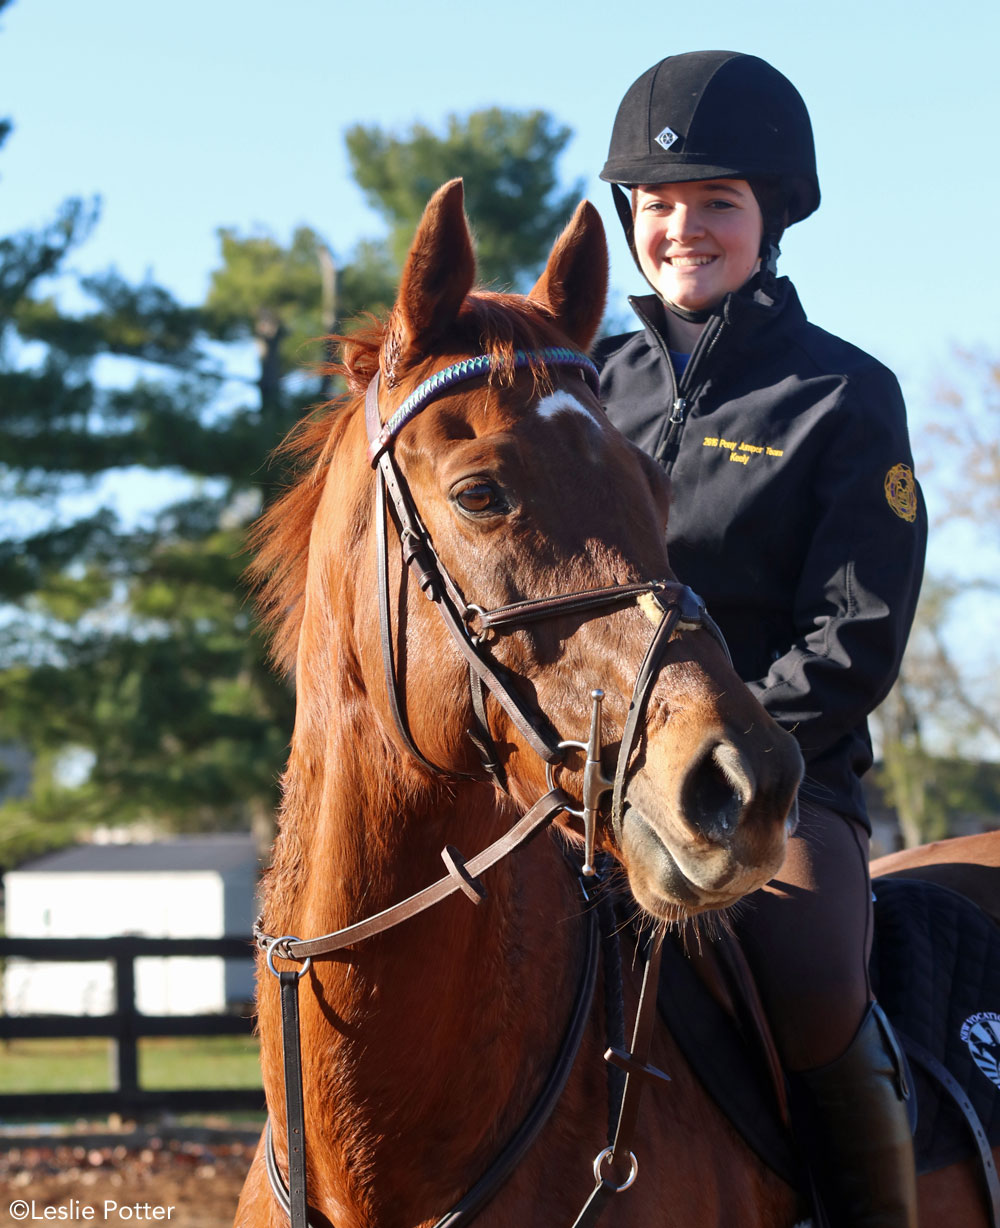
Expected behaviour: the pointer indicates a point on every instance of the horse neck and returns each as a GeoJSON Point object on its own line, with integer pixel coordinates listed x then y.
{"type": "Point", "coordinates": [424, 1028]}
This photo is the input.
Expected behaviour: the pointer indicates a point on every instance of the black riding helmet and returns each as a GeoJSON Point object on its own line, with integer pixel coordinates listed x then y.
{"type": "Point", "coordinates": [717, 115]}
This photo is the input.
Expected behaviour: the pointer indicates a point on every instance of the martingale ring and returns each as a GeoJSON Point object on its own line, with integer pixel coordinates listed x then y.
{"type": "Point", "coordinates": [629, 1180]}
{"type": "Point", "coordinates": [270, 955]}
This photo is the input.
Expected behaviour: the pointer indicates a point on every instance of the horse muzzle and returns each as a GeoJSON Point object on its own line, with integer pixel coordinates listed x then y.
{"type": "Point", "coordinates": [702, 838]}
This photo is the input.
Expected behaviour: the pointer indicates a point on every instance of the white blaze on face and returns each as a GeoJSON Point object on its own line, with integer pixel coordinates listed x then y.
{"type": "Point", "coordinates": [562, 402]}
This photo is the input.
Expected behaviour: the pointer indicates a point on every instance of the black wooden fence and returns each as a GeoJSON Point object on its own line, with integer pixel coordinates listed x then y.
{"type": "Point", "coordinates": [125, 1026]}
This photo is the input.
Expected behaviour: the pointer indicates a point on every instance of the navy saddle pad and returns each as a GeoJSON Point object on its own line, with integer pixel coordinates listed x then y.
{"type": "Point", "coordinates": [936, 972]}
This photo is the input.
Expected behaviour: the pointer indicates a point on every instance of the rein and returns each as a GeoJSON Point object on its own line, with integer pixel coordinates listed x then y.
{"type": "Point", "coordinates": [671, 607]}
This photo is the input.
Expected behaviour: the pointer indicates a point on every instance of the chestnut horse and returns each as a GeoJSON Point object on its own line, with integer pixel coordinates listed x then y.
{"type": "Point", "coordinates": [538, 531]}
{"type": "Point", "coordinates": [424, 1047]}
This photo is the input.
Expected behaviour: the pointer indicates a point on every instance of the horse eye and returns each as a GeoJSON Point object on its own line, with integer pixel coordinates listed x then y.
{"type": "Point", "coordinates": [479, 497]}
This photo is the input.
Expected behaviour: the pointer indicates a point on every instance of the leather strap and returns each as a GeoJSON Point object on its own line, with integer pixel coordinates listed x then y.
{"type": "Point", "coordinates": [385, 627]}
{"type": "Point", "coordinates": [532, 609]}
{"type": "Point", "coordinates": [529, 825]}
{"type": "Point", "coordinates": [614, 1005]}
{"type": "Point", "coordinates": [648, 672]}
{"type": "Point", "coordinates": [480, 735]}
{"type": "Point", "coordinates": [951, 1085]}
{"type": "Point", "coordinates": [294, 1113]}
{"type": "Point", "coordinates": [638, 1069]}
{"type": "Point", "coordinates": [525, 1135]}
{"type": "Point", "coordinates": [749, 1010]}
{"type": "Point", "coordinates": [635, 1063]}
{"type": "Point", "coordinates": [548, 1097]}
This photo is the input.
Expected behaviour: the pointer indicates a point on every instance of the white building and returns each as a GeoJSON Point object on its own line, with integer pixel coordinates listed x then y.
{"type": "Point", "coordinates": [190, 887]}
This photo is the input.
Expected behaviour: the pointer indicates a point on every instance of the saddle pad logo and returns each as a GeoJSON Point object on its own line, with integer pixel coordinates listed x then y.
{"type": "Point", "coordinates": [666, 138]}
{"type": "Point", "coordinates": [901, 492]}
{"type": "Point", "coordinates": [982, 1034]}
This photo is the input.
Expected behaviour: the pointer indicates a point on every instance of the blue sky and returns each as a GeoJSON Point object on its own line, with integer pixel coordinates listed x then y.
{"type": "Point", "coordinates": [197, 114]}
{"type": "Point", "coordinates": [200, 113]}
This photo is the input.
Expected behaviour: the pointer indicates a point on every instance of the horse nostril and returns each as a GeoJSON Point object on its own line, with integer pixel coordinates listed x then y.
{"type": "Point", "coordinates": [713, 794]}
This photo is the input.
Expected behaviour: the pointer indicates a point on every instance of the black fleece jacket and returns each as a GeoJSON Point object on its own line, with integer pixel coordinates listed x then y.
{"type": "Point", "coordinates": [794, 511]}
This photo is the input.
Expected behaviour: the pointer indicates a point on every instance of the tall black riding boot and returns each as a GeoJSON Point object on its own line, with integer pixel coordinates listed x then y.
{"type": "Point", "coordinates": [861, 1150]}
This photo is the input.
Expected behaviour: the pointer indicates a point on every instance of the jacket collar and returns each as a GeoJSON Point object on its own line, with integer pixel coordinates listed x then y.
{"type": "Point", "coordinates": [746, 313]}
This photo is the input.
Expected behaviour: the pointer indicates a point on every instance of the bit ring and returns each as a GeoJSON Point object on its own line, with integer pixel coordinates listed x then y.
{"type": "Point", "coordinates": [550, 773]}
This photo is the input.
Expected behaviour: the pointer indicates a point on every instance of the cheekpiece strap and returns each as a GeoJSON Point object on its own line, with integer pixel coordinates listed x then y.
{"type": "Point", "coordinates": [470, 368]}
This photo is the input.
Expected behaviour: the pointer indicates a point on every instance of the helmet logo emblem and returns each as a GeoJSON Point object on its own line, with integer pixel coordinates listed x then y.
{"type": "Point", "coordinates": [666, 138]}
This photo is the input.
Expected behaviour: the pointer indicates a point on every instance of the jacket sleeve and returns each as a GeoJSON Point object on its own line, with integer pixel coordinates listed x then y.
{"type": "Point", "coordinates": [858, 587]}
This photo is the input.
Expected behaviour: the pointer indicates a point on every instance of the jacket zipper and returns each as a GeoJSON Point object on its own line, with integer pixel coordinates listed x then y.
{"type": "Point", "coordinates": [683, 392]}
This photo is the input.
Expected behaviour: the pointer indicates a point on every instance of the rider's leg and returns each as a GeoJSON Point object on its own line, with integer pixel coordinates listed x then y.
{"type": "Point", "coordinates": [808, 937]}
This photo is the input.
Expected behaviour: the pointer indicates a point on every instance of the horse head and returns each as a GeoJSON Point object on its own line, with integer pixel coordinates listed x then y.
{"type": "Point", "coordinates": [519, 490]}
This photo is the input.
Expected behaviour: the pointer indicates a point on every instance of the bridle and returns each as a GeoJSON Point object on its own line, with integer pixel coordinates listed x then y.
{"type": "Point", "coordinates": [669, 605]}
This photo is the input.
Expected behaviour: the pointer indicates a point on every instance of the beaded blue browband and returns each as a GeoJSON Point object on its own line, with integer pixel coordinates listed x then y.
{"type": "Point", "coordinates": [469, 368]}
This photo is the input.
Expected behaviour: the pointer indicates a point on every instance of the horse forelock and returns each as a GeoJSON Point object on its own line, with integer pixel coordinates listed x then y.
{"type": "Point", "coordinates": [499, 325]}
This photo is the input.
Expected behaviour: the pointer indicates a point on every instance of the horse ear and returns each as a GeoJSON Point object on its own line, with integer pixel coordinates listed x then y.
{"type": "Point", "coordinates": [439, 271]}
{"type": "Point", "coordinates": [574, 285]}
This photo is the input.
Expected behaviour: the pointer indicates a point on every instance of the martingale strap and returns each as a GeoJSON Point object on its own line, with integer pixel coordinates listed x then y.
{"type": "Point", "coordinates": [601, 930]}
{"type": "Point", "coordinates": [638, 1071]}
{"type": "Point", "coordinates": [294, 1104]}
{"type": "Point", "coordinates": [528, 826]}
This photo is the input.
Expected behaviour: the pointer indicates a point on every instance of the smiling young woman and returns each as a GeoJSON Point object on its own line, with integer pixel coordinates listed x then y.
{"type": "Point", "coordinates": [780, 441]}
{"type": "Point", "coordinates": [696, 242]}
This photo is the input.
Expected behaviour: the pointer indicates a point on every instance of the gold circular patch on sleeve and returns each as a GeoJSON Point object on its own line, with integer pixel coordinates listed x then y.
{"type": "Point", "coordinates": [901, 492]}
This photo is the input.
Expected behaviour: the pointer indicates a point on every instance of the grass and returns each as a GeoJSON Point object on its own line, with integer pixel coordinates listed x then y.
{"type": "Point", "coordinates": [86, 1063]}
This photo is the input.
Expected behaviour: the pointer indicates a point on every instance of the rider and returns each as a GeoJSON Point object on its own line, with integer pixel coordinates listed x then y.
{"type": "Point", "coordinates": [796, 516]}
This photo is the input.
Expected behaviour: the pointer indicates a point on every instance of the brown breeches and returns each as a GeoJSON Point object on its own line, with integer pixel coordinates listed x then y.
{"type": "Point", "coordinates": [808, 934]}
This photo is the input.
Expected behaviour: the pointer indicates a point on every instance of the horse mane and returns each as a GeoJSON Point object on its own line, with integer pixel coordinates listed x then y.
{"type": "Point", "coordinates": [488, 323]}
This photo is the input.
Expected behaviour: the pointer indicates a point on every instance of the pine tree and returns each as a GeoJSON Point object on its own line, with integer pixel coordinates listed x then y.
{"type": "Point", "coordinates": [130, 665]}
